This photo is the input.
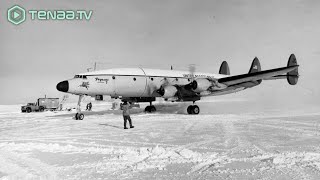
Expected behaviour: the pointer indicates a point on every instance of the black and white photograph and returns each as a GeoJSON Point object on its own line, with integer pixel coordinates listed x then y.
{"type": "Point", "coordinates": [160, 89]}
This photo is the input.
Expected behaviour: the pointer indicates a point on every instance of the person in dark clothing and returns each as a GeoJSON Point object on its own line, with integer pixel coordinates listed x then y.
{"type": "Point", "coordinates": [126, 114]}
{"type": "Point", "coordinates": [89, 106]}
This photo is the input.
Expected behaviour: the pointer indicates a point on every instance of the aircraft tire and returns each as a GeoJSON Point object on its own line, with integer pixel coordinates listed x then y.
{"type": "Point", "coordinates": [81, 116]}
{"type": "Point", "coordinates": [152, 109]}
{"type": "Point", "coordinates": [147, 109]}
{"type": "Point", "coordinates": [77, 116]}
{"type": "Point", "coordinates": [189, 109]}
{"type": "Point", "coordinates": [195, 109]}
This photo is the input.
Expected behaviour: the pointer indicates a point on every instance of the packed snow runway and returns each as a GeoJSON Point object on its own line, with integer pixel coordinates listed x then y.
{"type": "Point", "coordinates": [217, 144]}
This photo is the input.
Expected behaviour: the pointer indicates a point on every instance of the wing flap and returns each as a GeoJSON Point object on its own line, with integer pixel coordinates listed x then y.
{"type": "Point", "coordinates": [231, 80]}
{"type": "Point", "coordinates": [276, 77]}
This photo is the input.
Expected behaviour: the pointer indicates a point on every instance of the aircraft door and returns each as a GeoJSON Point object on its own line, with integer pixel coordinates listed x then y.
{"type": "Point", "coordinates": [130, 85]}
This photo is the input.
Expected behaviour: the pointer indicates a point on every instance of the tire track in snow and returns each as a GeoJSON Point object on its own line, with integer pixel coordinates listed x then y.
{"type": "Point", "coordinates": [215, 160]}
{"type": "Point", "coordinates": [247, 146]}
{"type": "Point", "coordinates": [232, 138]}
{"type": "Point", "coordinates": [18, 166]}
{"type": "Point", "coordinates": [297, 130]}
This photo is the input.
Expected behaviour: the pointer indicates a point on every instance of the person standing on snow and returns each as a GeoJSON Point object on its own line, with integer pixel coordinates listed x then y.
{"type": "Point", "coordinates": [89, 106]}
{"type": "Point", "coordinates": [126, 114]}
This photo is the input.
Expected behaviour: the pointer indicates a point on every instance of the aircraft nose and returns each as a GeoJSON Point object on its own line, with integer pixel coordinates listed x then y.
{"type": "Point", "coordinates": [63, 86]}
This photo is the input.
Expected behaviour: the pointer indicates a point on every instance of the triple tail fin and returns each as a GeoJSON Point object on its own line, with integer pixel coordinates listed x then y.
{"type": "Point", "coordinates": [224, 68]}
{"type": "Point", "coordinates": [255, 66]}
{"type": "Point", "coordinates": [292, 76]}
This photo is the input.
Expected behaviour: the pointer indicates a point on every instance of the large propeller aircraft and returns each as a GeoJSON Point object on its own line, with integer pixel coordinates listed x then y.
{"type": "Point", "coordinates": [144, 85]}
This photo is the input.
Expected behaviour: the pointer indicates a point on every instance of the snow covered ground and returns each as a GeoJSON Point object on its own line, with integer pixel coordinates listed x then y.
{"type": "Point", "coordinates": [228, 140]}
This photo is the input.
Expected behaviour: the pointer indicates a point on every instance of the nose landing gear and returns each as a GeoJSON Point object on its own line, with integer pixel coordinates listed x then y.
{"type": "Point", "coordinates": [193, 109]}
{"type": "Point", "coordinates": [79, 115]}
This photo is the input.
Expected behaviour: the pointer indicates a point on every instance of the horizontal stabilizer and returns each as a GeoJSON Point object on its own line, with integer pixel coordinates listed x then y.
{"type": "Point", "coordinates": [232, 80]}
{"type": "Point", "coordinates": [276, 77]}
{"type": "Point", "coordinates": [224, 68]}
{"type": "Point", "coordinates": [291, 76]}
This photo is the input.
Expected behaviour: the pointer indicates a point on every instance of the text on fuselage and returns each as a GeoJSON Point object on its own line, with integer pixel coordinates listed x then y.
{"type": "Point", "coordinates": [102, 80]}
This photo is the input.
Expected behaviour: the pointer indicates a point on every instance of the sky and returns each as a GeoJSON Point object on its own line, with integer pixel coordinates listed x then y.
{"type": "Point", "coordinates": [36, 55]}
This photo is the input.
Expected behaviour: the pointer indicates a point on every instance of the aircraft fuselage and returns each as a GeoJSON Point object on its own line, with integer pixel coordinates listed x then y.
{"type": "Point", "coordinates": [129, 82]}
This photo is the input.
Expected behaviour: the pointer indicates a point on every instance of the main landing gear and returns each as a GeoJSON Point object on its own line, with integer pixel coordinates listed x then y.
{"type": "Point", "coordinates": [193, 109]}
{"type": "Point", "coordinates": [79, 115]}
{"type": "Point", "coordinates": [150, 108]}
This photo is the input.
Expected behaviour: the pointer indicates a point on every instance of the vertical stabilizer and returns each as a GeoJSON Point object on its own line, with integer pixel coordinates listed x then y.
{"type": "Point", "coordinates": [292, 76]}
{"type": "Point", "coordinates": [255, 66]}
{"type": "Point", "coordinates": [224, 68]}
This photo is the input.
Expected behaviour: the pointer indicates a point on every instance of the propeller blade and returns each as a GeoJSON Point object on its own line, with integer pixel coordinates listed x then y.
{"type": "Point", "coordinates": [192, 69]}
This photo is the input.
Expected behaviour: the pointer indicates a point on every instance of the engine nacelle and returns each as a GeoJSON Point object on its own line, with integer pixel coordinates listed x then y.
{"type": "Point", "coordinates": [168, 91]}
{"type": "Point", "coordinates": [201, 85]}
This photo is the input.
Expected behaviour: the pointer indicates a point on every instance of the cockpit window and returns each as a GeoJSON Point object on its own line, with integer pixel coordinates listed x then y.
{"type": "Point", "coordinates": [80, 76]}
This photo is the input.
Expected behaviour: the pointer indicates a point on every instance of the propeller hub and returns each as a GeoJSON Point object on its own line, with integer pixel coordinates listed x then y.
{"type": "Point", "coordinates": [194, 85]}
{"type": "Point", "coordinates": [161, 91]}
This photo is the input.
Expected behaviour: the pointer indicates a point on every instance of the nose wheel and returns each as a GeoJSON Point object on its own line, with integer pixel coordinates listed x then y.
{"type": "Point", "coordinates": [193, 109]}
{"type": "Point", "coordinates": [79, 115]}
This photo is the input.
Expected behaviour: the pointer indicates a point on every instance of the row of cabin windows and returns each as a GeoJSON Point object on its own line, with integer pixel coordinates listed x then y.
{"type": "Point", "coordinates": [113, 77]}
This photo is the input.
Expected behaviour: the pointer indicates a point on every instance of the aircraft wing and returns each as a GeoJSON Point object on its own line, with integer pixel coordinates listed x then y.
{"type": "Point", "coordinates": [267, 74]}
{"type": "Point", "coordinates": [210, 86]}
